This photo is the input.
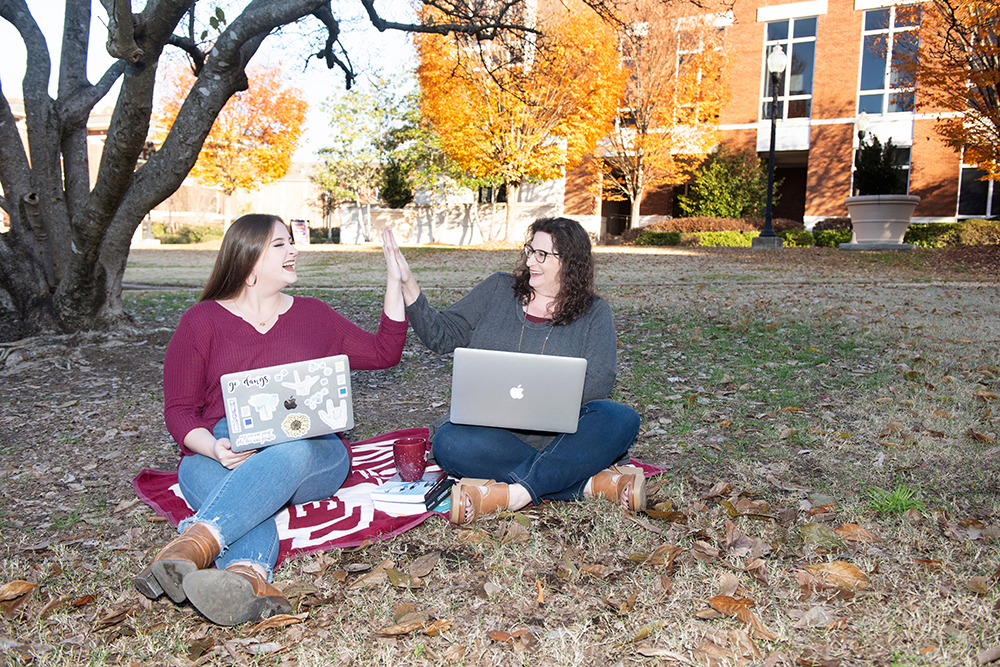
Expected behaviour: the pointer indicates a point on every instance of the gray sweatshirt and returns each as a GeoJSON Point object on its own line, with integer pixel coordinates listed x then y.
{"type": "Point", "coordinates": [490, 317]}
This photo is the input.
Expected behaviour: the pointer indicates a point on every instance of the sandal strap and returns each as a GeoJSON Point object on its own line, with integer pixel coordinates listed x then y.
{"type": "Point", "coordinates": [485, 497]}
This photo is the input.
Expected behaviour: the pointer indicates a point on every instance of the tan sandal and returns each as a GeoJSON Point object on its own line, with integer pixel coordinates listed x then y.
{"type": "Point", "coordinates": [623, 484]}
{"type": "Point", "coordinates": [486, 496]}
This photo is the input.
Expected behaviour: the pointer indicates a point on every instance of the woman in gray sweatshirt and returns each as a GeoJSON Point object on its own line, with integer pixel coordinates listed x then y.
{"type": "Point", "coordinates": [546, 305]}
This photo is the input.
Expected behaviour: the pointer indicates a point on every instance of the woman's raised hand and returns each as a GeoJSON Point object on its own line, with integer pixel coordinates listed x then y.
{"type": "Point", "coordinates": [394, 302]}
{"type": "Point", "coordinates": [396, 262]}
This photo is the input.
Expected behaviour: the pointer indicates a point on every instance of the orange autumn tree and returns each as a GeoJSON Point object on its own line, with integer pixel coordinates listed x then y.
{"type": "Point", "coordinates": [254, 136]}
{"type": "Point", "coordinates": [528, 109]}
{"type": "Point", "coordinates": [959, 72]}
{"type": "Point", "coordinates": [670, 110]}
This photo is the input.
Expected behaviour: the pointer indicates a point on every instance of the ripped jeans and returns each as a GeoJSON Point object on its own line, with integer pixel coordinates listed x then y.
{"type": "Point", "coordinates": [241, 503]}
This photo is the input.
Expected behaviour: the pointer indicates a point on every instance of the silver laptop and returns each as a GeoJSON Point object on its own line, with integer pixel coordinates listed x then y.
{"type": "Point", "coordinates": [514, 390]}
{"type": "Point", "coordinates": [268, 406]}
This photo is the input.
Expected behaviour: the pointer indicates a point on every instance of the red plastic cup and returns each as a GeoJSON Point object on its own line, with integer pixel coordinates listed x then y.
{"type": "Point", "coordinates": [410, 457]}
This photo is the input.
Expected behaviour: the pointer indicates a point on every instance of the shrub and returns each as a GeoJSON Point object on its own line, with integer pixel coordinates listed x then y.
{"type": "Point", "coordinates": [187, 233]}
{"type": "Point", "coordinates": [319, 236]}
{"type": "Point", "coordinates": [726, 239]}
{"type": "Point", "coordinates": [708, 224]}
{"type": "Point", "coordinates": [876, 171]}
{"type": "Point", "coordinates": [650, 237]}
{"type": "Point", "coordinates": [732, 184]}
{"type": "Point", "coordinates": [831, 238]}
{"type": "Point", "coordinates": [931, 234]}
{"type": "Point", "coordinates": [797, 238]}
{"type": "Point", "coordinates": [777, 224]}
{"type": "Point", "coordinates": [832, 223]}
{"type": "Point", "coordinates": [978, 232]}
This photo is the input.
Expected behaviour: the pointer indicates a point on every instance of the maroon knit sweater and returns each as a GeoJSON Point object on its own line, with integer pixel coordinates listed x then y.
{"type": "Point", "coordinates": [210, 341]}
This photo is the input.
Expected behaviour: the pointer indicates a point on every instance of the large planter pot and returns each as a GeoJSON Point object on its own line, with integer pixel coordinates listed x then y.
{"type": "Point", "coordinates": [880, 218]}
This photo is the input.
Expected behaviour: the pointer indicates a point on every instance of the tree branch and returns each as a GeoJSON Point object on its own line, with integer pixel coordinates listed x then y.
{"type": "Point", "coordinates": [325, 14]}
{"type": "Point", "coordinates": [121, 35]}
{"type": "Point", "coordinates": [189, 47]}
{"type": "Point", "coordinates": [469, 20]}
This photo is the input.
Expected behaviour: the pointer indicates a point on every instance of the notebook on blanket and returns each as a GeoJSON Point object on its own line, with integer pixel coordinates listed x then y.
{"type": "Point", "coordinates": [304, 399]}
{"type": "Point", "coordinates": [514, 390]}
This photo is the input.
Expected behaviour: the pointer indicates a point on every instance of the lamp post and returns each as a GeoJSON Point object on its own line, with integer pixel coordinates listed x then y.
{"type": "Point", "coordinates": [776, 62]}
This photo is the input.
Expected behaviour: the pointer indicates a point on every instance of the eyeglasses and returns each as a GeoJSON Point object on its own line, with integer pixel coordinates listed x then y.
{"type": "Point", "coordinates": [539, 255]}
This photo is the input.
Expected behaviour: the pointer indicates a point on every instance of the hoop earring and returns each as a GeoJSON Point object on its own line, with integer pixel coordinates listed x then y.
{"type": "Point", "coordinates": [249, 284]}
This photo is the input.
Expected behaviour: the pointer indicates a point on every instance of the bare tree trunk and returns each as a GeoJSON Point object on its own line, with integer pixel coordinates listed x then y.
{"type": "Point", "coordinates": [513, 189]}
{"type": "Point", "coordinates": [634, 213]}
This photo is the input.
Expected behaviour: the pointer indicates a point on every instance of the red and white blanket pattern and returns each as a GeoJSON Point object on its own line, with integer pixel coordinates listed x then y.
{"type": "Point", "coordinates": [345, 520]}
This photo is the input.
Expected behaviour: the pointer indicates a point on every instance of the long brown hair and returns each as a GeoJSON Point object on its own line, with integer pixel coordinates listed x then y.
{"type": "Point", "coordinates": [242, 246]}
{"type": "Point", "coordinates": [576, 272]}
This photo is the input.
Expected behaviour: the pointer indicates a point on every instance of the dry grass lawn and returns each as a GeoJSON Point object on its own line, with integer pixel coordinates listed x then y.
{"type": "Point", "coordinates": [827, 423]}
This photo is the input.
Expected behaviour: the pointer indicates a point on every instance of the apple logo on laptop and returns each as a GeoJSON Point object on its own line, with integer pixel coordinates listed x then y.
{"type": "Point", "coordinates": [517, 392]}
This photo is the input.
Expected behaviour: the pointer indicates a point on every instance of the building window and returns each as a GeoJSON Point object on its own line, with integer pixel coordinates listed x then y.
{"type": "Point", "coordinates": [888, 54]}
{"type": "Point", "coordinates": [797, 37]}
{"type": "Point", "coordinates": [977, 198]}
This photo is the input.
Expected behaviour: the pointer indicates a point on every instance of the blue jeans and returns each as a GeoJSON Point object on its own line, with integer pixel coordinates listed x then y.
{"type": "Point", "coordinates": [560, 471]}
{"type": "Point", "coordinates": [241, 503]}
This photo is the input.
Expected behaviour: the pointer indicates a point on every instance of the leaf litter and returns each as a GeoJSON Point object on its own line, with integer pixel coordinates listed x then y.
{"type": "Point", "coordinates": [750, 448]}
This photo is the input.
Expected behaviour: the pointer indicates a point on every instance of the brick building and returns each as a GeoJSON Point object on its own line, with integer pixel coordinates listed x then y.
{"type": "Point", "coordinates": [837, 68]}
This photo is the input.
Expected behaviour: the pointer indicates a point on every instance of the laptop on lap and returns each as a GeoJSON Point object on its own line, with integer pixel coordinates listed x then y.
{"type": "Point", "coordinates": [515, 390]}
{"type": "Point", "coordinates": [304, 399]}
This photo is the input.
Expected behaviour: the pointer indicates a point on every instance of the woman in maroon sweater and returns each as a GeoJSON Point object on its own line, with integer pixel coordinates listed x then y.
{"type": "Point", "coordinates": [243, 321]}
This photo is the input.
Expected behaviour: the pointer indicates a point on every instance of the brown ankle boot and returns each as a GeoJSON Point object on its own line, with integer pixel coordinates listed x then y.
{"type": "Point", "coordinates": [194, 549]}
{"type": "Point", "coordinates": [235, 595]}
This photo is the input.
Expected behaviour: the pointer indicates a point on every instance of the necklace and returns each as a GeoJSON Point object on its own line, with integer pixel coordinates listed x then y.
{"type": "Point", "coordinates": [524, 322]}
{"type": "Point", "coordinates": [249, 319]}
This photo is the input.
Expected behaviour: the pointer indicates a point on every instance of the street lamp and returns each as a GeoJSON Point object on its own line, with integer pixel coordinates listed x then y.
{"type": "Point", "coordinates": [776, 62]}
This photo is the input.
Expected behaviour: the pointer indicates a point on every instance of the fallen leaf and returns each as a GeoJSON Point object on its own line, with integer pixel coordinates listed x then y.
{"type": "Point", "coordinates": [454, 653]}
{"type": "Point", "coordinates": [841, 574]}
{"type": "Point", "coordinates": [663, 555]}
{"type": "Point", "coordinates": [740, 608]}
{"type": "Point", "coordinates": [928, 564]}
{"type": "Point", "coordinates": [278, 621]}
{"type": "Point", "coordinates": [423, 565]}
{"type": "Point", "coordinates": [436, 628]}
{"type": "Point", "coordinates": [401, 579]}
{"type": "Point", "coordinates": [13, 594]}
{"type": "Point", "coordinates": [400, 629]}
{"type": "Point", "coordinates": [719, 489]}
{"type": "Point", "coordinates": [672, 516]}
{"type": "Point", "coordinates": [981, 437]}
{"type": "Point", "coordinates": [704, 551]}
{"type": "Point", "coordinates": [852, 532]}
{"type": "Point", "coordinates": [599, 571]}
{"type": "Point", "coordinates": [647, 630]}
{"type": "Point", "coordinates": [819, 535]}
{"type": "Point", "coordinates": [728, 583]}
{"type": "Point", "coordinates": [402, 611]}
{"type": "Point", "coordinates": [263, 649]}
{"type": "Point", "coordinates": [979, 585]}
{"type": "Point", "coordinates": [376, 576]}
{"type": "Point", "coordinates": [817, 617]}
{"type": "Point", "coordinates": [516, 532]}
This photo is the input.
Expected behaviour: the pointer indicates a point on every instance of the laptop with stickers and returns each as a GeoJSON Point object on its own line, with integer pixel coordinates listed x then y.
{"type": "Point", "coordinates": [515, 390]}
{"type": "Point", "coordinates": [305, 399]}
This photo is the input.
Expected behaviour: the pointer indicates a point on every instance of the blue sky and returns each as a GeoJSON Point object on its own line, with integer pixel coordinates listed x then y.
{"type": "Point", "coordinates": [369, 50]}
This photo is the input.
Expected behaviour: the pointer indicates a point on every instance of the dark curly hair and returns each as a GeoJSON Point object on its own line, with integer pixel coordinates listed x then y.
{"type": "Point", "coordinates": [576, 273]}
{"type": "Point", "coordinates": [242, 246]}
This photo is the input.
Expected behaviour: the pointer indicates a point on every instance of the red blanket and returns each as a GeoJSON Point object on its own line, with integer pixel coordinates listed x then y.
{"type": "Point", "coordinates": [345, 520]}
